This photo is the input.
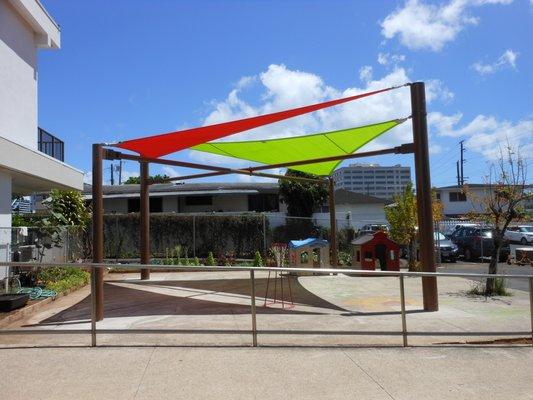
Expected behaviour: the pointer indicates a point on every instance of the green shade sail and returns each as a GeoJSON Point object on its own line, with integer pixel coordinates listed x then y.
{"type": "Point", "coordinates": [276, 151]}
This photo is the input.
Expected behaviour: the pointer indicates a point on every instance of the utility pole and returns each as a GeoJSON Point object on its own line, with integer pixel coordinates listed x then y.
{"type": "Point", "coordinates": [462, 162]}
{"type": "Point", "coordinates": [458, 174]}
{"type": "Point", "coordinates": [120, 172]}
{"type": "Point", "coordinates": [112, 170]}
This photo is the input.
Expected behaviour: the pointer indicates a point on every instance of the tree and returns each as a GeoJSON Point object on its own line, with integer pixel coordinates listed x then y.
{"type": "Point", "coordinates": [65, 208]}
{"type": "Point", "coordinates": [402, 218]}
{"type": "Point", "coordinates": [136, 180]}
{"type": "Point", "coordinates": [503, 202]}
{"type": "Point", "coordinates": [301, 198]}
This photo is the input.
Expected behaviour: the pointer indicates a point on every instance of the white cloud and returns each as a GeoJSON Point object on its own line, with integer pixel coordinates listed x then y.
{"type": "Point", "coordinates": [283, 88]}
{"type": "Point", "coordinates": [170, 171]}
{"type": "Point", "coordinates": [88, 178]}
{"type": "Point", "coordinates": [419, 25]}
{"type": "Point", "coordinates": [506, 60]}
{"type": "Point", "coordinates": [386, 59]}
{"type": "Point", "coordinates": [365, 73]}
{"type": "Point", "coordinates": [435, 149]}
{"type": "Point", "coordinates": [486, 134]}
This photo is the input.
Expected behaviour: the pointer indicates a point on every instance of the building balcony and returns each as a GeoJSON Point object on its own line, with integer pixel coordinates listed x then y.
{"type": "Point", "coordinates": [50, 145]}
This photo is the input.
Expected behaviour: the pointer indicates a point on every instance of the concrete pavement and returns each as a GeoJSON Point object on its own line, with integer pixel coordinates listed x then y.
{"type": "Point", "coordinates": [220, 300]}
{"type": "Point", "coordinates": [263, 373]}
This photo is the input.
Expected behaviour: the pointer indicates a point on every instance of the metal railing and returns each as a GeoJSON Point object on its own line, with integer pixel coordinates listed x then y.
{"type": "Point", "coordinates": [254, 331]}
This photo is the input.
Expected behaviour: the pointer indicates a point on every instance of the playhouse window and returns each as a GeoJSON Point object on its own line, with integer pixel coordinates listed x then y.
{"type": "Point", "coordinates": [368, 254]}
{"type": "Point", "coordinates": [358, 256]}
{"type": "Point", "coordinates": [304, 257]}
{"type": "Point", "coordinates": [392, 255]}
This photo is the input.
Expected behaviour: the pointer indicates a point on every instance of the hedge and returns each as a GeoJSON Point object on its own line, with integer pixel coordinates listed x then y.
{"type": "Point", "coordinates": [240, 236]}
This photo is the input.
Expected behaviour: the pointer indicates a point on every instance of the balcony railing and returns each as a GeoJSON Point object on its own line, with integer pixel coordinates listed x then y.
{"type": "Point", "coordinates": [49, 144]}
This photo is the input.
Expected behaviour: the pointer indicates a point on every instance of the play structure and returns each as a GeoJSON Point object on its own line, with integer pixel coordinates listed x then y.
{"type": "Point", "coordinates": [309, 253]}
{"type": "Point", "coordinates": [375, 251]}
{"type": "Point", "coordinates": [318, 154]}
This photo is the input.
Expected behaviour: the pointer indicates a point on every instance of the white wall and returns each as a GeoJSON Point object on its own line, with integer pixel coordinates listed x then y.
{"type": "Point", "coordinates": [359, 215]}
{"type": "Point", "coordinates": [225, 203]}
{"type": "Point", "coordinates": [18, 78]}
{"type": "Point", "coordinates": [473, 201]}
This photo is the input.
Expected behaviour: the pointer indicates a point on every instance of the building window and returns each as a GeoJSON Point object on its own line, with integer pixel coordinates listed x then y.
{"type": "Point", "coordinates": [156, 205]}
{"type": "Point", "coordinates": [199, 200]}
{"type": "Point", "coordinates": [263, 202]}
{"type": "Point", "coordinates": [457, 196]}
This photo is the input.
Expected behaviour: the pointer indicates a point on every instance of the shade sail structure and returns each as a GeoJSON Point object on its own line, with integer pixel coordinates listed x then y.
{"type": "Point", "coordinates": [285, 150]}
{"type": "Point", "coordinates": [160, 145]}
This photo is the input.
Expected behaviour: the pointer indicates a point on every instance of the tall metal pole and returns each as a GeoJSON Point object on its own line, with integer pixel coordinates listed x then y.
{"type": "Point", "coordinates": [145, 218]}
{"type": "Point", "coordinates": [423, 195]}
{"type": "Point", "coordinates": [458, 174]}
{"type": "Point", "coordinates": [98, 230]}
{"type": "Point", "coordinates": [462, 162]}
{"type": "Point", "coordinates": [333, 224]}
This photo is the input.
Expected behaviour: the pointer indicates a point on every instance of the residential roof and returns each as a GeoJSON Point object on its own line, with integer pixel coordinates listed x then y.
{"type": "Point", "coordinates": [473, 185]}
{"type": "Point", "coordinates": [363, 239]}
{"type": "Point", "coordinates": [343, 196]}
{"type": "Point", "coordinates": [170, 189]}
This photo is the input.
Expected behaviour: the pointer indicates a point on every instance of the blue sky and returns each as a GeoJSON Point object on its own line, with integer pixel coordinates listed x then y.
{"type": "Point", "coordinates": [133, 68]}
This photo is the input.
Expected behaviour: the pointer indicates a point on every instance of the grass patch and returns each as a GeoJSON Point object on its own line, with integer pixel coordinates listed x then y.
{"type": "Point", "coordinates": [499, 288]}
{"type": "Point", "coordinates": [63, 279]}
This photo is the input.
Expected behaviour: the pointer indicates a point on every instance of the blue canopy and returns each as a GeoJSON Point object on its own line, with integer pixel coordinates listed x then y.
{"type": "Point", "coordinates": [313, 242]}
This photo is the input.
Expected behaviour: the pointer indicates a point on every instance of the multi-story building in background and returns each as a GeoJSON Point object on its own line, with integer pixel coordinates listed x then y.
{"type": "Point", "coordinates": [373, 179]}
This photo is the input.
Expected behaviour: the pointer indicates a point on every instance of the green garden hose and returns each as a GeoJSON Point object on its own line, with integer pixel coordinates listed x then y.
{"type": "Point", "coordinates": [37, 292]}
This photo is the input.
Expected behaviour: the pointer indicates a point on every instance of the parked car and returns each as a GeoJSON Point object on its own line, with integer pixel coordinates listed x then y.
{"type": "Point", "coordinates": [369, 229]}
{"type": "Point", "coordinates": [449, 232]}
{"type": "Point", "coordinates": [474, 243]}
{"type": "Point", "coordinates": [448, 250]}
{"type": "Point", "coordinates": [520, 234]}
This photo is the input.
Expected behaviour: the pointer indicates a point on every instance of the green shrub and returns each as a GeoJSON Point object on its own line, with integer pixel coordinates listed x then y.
{"type": "Point", "coordinates": [210, 260]}
{"type": "Point", "coordinates": [258, 260]}
{"type": "Point", "coordinates": [240, 234]}
{"type": "Point", "coordinates": [63, 279]}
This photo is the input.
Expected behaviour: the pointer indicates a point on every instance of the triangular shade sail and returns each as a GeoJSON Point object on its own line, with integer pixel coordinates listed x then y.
{"type": "Point", "coordinates": [166, 143]}
{"type": "Point", "coordinates": [320, 145]}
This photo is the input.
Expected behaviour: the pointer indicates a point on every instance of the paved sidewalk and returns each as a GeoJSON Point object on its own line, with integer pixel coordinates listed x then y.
{"type": "Point", "coordinates": [266, 373]}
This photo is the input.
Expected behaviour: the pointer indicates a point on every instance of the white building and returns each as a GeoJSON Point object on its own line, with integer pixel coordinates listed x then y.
{"type": "Point", "coordinates": [458, 201]}
{"type": "Point", "coordinates": [25, 27]}
{"type": "Point", "coordinates": [352, 209]}
{"type": "Point", "coordinates": [373, 179]}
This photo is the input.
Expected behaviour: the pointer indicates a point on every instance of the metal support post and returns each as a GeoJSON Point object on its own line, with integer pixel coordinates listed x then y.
{"type": "Point", "coordinates": [333, 224]}
{"type": "Point", "coordinates": [145, 219]}
{"type": "Point", "coordinates": [531, 307]}
{"type": "Point", "coordinates": [423, 195]}
{"type": "Point", "coordinates": [98, 229]}
{"type": "Point", "coordinates": [404, 319]}
{"type": "Point", "coordinates": [93, 307]}
{"type": "Point", "coordinates": [252, 298]}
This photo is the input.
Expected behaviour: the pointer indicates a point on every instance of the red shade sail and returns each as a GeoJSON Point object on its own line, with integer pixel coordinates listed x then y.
{"type": "Point", "coordinates": [166, 143]}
